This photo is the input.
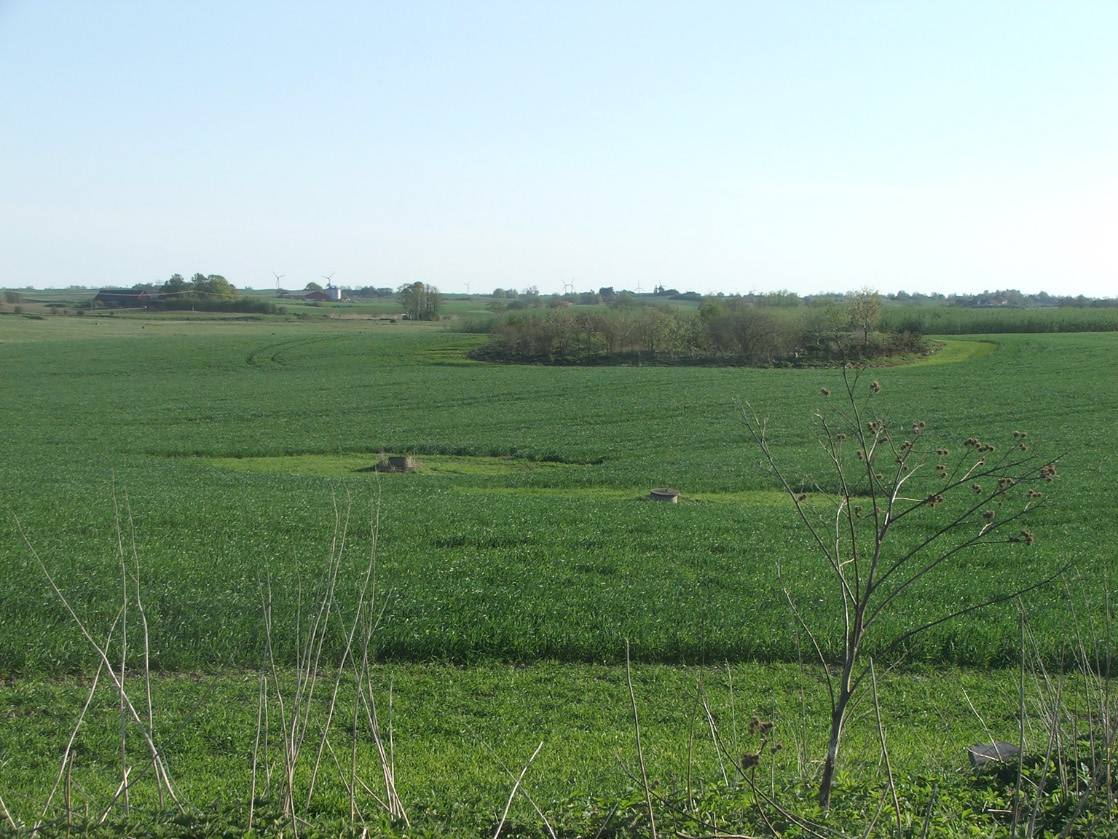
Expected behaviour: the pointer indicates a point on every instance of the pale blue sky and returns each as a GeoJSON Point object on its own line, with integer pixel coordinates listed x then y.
{"type": "Point", "coordinates": [710, 146]}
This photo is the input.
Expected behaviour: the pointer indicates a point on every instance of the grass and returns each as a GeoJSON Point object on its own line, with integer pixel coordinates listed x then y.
{"type": "Point", "coordinates": [348, 465]}
{"type": "Point", "coordinates": [151, 412]}
{"type": "Point", "coordinates": [462, 734]}
{"type": "Point", "coordinates": [523, 551]}
{"type": "Point", "coordinates": [958, 350]}
{"type": "Point", "coordinates": [455, 728]}
{"type": "Point", "coordinates": [363, 464]}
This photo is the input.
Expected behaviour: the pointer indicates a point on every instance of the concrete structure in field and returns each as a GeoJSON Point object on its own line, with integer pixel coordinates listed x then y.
{"type": "Point", "coordinates": [394, 463]}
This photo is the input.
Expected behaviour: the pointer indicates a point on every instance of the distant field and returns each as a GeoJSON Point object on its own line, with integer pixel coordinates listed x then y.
{"type": "Point", "coordinates": [560, 562]}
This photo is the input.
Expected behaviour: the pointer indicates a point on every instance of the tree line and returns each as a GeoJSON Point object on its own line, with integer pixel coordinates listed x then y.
{"type": "Point", "coordinates": [204, 293]}
{"type": "Point", "coordinates": [734, 329]}
{"type": "Point", "coordinates": [198, 286]}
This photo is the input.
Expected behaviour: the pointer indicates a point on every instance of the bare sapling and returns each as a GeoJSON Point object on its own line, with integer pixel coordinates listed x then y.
{"type": "Point", "coordinates": [893, 511]}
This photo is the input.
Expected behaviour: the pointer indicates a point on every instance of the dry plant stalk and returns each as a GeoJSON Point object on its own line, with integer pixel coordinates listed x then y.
{"type": "Point", "coordinates": [296, 710]}
{"type": "Point", "coordinates": [640, 752]}
{"type": "Point", "coordinates": [882, 480]}
{"type": "Point", "coordinates": [130, 715]}
{"type": "Point", "coordinates": [1079, 761]}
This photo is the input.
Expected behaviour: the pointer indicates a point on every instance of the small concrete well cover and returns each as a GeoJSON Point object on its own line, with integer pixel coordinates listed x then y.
{"type": "Point", "coordinates": [664, 494]}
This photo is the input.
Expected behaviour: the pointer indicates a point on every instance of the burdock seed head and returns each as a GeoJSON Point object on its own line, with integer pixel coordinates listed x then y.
{"type": "Point", "coordinates": [824, 391]}
{"type": "Point", "coordinates": [876, 387]}
{"type": "Point", "coordinates": [976, 489]}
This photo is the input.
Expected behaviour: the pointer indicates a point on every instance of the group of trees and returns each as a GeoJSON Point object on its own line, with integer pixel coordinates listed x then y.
{"type": "Point", "coordinates": [199, 285]}
{"type": "Point", "coordinates": [723, 328]}
{"type": "Point", "coordinates": [372, 292]}
{"type": "Point", "coordinates": [420, 301]}
{"type": "Point", "coordinates": [203, 292]}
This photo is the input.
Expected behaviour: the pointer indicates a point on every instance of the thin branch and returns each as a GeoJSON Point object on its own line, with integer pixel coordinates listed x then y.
{"type": "Point", "coordinates": [993, 601]}
{"type": "Point", "coordinates": [640, 753]}
{"type": "Point", "coordinates": [516, 786]}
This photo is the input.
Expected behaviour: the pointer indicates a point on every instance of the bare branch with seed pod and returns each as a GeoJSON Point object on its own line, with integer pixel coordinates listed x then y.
{"type": "Point", "coordinates": [913, 519]}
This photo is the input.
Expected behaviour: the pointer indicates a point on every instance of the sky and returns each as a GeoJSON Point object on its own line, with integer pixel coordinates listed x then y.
{"type": "Point", "coordinates": [751, 145]}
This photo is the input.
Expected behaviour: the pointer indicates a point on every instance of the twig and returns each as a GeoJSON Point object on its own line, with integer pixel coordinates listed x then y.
{"type": "Point", "coordinates": [73, 736]}
{"type": "Point", "coordinates": [7, 815]}
{"type": "Point", "coordinates": [640, 753]}
{"type": "Point", "coordinates": [515, 787]}
{"type": "Point", "coordinates": [885, 750]}
{"type": "Point", "coordinates": [928, 812]}
{"type": "Point", "coordinates": [507, 771]}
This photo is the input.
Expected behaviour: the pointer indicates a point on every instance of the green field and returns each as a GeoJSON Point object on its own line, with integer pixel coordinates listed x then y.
{"type": "Point", "coordinates": [228, 451]}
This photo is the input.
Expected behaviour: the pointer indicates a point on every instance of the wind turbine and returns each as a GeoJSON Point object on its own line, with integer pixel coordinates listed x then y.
{"type": "Point", "coordinates": [328, 283]}
{"type": "Point", "coordinates": [278, 278]}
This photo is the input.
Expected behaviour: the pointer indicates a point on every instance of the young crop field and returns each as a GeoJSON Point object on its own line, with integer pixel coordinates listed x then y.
{"type": "Point", "coordinates": [231, 457]}
{"type": "Point", "coordinates": [166, 429]}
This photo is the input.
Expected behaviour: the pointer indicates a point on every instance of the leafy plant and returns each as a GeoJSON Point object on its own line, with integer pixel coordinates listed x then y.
{"type": "Point", "coordinates": [893, 520]}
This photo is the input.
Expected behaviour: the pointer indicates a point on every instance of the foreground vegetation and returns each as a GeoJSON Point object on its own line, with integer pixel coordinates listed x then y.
{"type": "Point", "coordinates": [462, 736]}
{"type": "Point", "coordinates": [227, 452]}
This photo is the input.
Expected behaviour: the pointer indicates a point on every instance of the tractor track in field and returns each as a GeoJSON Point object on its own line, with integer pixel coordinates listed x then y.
{"type": "Point", "coordinates": [276, 353]}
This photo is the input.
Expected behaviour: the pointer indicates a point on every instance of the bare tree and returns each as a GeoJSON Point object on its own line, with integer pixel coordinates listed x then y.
{"type": "Point", "coordinates": [864, 310]}
{"type": "Point", "coordinates": [899, 509]}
